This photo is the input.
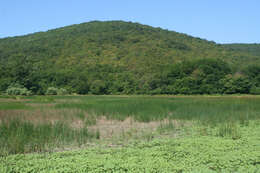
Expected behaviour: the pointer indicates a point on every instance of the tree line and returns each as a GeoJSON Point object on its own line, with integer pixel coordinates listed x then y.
{"type": "Point", "coordinates": [203, 76]}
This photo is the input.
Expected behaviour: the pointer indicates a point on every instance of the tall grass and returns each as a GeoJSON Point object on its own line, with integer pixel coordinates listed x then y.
{"type": "Point", "coordinates": [207, 110]}
{"type": "Point", "coordinates": [18, 136]}
{"type": "Point", "coordinates": [166, 127]}
{"type": "Point", "coordinates": [229, 129]}
{"type": "Point", "coordinates": [12, 105]}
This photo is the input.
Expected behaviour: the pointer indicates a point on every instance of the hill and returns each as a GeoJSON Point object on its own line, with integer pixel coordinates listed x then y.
{"type": "Point", "coordinates": [117, 57]}
{"type": "Point", "coordinates": [253, 49]}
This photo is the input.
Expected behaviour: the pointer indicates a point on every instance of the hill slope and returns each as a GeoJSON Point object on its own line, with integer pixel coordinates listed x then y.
{"type": "Point", "coordinates": [253, 49]}
{"type": "Point", "coordinates": [110, 57]}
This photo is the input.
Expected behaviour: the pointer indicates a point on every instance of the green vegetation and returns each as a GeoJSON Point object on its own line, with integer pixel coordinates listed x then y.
{"type": "Point", "coordinates": [17, 89]}
{"type": "Point", "coordinates": [56, 91]}
{"type": "Point", "coordinates": [119, 57]}
{"type": "Point", "coordinates": [200, 154]}
{"type": "Point", "coordinates": [12, 105]}
{"type": "Point", "coordinates": [211, 110]}
{"type": "Point", "coordinates": [187, 154]}
{"type": "Point", "coordinates": [253, 49]}
{"type": "Point", "coordinates": [229, 112]}
{"type": "Point", "coordinates": [23, 137]}
{"type": "Point", "coordinates": [125, 133]}
{"type": "Point", "coordinates": [183, 134]}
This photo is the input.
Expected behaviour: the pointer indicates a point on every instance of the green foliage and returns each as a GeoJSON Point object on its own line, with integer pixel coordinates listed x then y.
{"type": "Point", "coordinates": [62, 91]}
{"type": "Point", "coordinates": [229, 129]}
{"type": "Point", "coordinates": [166, 127]}
{"type": "Point", "coordinates": [56, 91]}
{"type": "Point", "coordinates": [212, 110]}
{"type": "Point", "coordinates": [235, 84]}
{"type": "Point", "coordinates": [188, 154]}
{"type": "Point", "coordinates": [98, 87]}
{"type": "Point", "coordinates": [253, 49]}
{"type": "Point", "coordinates": [17, 89]}
{"type": "Point", "coordinates": [13, 106]}
{"type": "Point", "coordinates": [255, 90]}
{"type": "Point", "coordinates": [18, 136]}
{"type": "Point", "coordinates": [213, 134]}
{"type": "Point", "coordinates": [119, 57]}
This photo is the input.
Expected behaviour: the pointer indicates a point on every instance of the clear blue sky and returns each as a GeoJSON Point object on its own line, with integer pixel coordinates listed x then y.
{"type": "Point", "coordinates": [222, 21]}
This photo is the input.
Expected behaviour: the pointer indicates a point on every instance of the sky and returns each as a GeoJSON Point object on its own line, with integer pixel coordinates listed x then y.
{"type": "Point", "coordinates": [222, 21]}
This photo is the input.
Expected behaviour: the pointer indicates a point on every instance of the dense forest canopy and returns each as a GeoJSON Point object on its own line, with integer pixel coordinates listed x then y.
{"type": "Point", "coordinates": [253, 49]}
{"type": "Point", "coordinates": [118, 57]}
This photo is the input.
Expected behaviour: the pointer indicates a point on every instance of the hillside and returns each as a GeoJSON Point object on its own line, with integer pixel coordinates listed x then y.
{"type": "Point", "coordinates": [253, 49]}
{"type": "Point", "coordinates": [121, 57]}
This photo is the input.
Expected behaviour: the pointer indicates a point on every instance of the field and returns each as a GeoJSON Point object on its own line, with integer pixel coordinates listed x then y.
{"type": "Point", "coordinates": [130, 134]}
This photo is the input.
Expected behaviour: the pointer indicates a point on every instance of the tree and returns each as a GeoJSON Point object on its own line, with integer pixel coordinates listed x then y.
{"type": "Point", "coordinates": [98, 87]}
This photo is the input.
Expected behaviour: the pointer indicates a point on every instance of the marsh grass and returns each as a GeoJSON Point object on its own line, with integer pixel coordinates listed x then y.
{"type": "Point", "coordinates": [7, 97]}
{"type": "Point", "coordinates": [39, 99]}
{"type": "Point", "coordinates": [169, 126]}
{"type": "Point", "coordinates": [19, 136]}
{"type": "Point", "coordinates": [207, 110]}
{"type": "Point", "coordinates": [217, 116]}
{"type": "Point", "coordinates": [13, 105]}
{"type": "Point", "coordinates": [42, 127]}
{"type": "Point", "coordinates": [90, 120]}
{"type": "Point", "coordinates": [229, 129]}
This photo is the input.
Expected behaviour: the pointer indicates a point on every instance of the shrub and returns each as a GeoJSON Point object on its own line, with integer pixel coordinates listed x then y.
{"type": "Point", "coordinates": [51, 91]}
{"type": "Point", "coordinates": [56, 91]}
{"type": "Point", "coordinates": [62, 91]}
{"type": "Point", "coordinates": [98, 87]}
{"type": "Point", "coordinates": [18, 90]}
{"type": "Point", "coordinates": [255, 90]}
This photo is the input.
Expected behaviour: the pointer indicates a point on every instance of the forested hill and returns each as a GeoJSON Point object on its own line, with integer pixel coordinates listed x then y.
{"type": "Point", "coordinates": [119, 57]}
{"type": "Point", "coordinates": [253, 49]}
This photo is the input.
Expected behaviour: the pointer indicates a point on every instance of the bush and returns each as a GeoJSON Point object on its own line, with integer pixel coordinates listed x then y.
{"type": "Point", "coordinates": [51, 91]}
{"type": "Point", "coordinates": [17, 89]}
{"type": "Point", "coordinates": [56, 91]}
{"type": "Point", "coordinates": [98, 87]}
{"type": "Point", "coordinates": [62, 91]}
{"type": "Point", "coordinates": [255, 90]}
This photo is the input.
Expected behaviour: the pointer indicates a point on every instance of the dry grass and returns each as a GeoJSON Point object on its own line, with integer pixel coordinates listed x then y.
{"type": "Point", "coordinates": [114, 128]}
{"type": "Point", "coordinates": [108, 128]}
{"type": "Point", "coordinates": [40, 116]}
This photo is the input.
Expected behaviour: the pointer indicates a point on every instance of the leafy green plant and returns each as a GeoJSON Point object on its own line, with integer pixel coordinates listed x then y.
{"type": "Point", "coordinates": [255, 90]}
{"type": "Point", "coordinates": [62, 91]}
{"type": "Point", "coordinates": [51, 91]}
{"type": "Point", "coordinates": [56, 91]}
{"type": "Point", "coordinates": [17, 89]}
